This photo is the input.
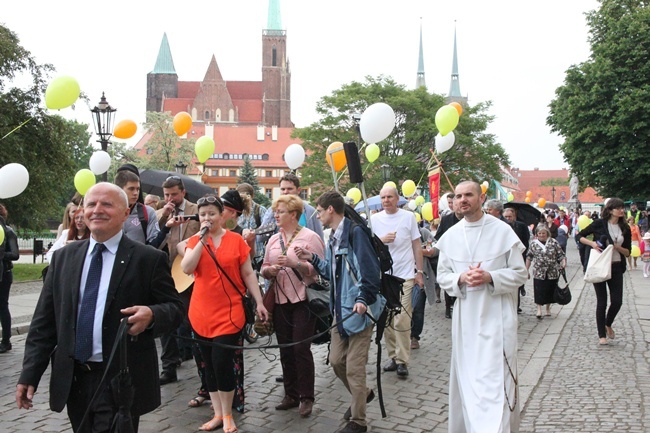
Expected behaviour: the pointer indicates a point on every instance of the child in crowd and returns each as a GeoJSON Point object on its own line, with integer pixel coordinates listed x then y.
{"type": "Point", "coordinates": [645, 256]}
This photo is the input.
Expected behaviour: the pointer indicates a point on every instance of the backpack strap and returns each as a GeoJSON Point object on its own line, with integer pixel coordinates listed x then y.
{"type": "Point", "coordinates": [143, 217]}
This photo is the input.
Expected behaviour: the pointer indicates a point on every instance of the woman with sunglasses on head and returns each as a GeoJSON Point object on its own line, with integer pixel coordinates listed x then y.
{"type": "Point", "coordinates": [610, 229]}
{"type": "Point", "coordinates": [292, 319]}
{"type": "Point", "coordinates": [220, 262]}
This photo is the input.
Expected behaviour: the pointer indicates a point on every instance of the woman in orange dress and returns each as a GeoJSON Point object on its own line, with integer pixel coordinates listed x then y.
{"type": "Point", "coordinates": [216, 311]}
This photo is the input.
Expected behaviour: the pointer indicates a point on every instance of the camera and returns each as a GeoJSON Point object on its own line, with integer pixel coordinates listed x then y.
{"type": "Point", "coordinates": [194, 217]}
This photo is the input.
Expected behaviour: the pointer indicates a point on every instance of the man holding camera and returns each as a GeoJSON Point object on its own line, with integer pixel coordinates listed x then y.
{"type": "Point", "coordinates": [174, 217]}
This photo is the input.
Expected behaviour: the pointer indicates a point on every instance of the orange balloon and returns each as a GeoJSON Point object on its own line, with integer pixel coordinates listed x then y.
{"type": "Point", "coordinates": [458, 107]}
{"type": "Point", "coordinates": [335, 157]}
{"type": "Point", "coordinates": [529, 194]}
{"type": "Point", "coordinates": [125, 129]}
{"type": "Point", "coordinates": [527, 199]}
{"type": "Point", "coordinates": [541, 202]}
{"type": "Point", "coordinates": [483, 189]}
{"type": "Point", "coordinates": [182, 123]}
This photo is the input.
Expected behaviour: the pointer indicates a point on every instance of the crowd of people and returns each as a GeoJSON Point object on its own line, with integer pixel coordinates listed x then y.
{"type": "Point", "coordinates": [477, 256]}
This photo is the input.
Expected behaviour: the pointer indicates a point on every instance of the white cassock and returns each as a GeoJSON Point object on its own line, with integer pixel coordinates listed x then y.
{"type": "Point", "coordinates": [483, 395]}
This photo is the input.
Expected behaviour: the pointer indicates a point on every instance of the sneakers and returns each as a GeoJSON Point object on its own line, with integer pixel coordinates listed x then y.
{"type": "Point", "coordinates": [415, 344]}
{"type": "Point", "coordinates": [353, 427]}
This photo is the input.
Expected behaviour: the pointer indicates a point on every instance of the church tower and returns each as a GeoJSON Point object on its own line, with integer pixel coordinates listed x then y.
{"type": "Point", "coordinates": [454, 87]}
{"type": "Point", "coordinates": [162, 82]}
{"type": "Point", "coordinates": [419, 82]}
{"type": "Point", "coordinates": [276, 75]}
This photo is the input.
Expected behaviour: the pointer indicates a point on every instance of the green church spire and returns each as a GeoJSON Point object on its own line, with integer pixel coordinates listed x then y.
{"type": "Point", "coordinates": [164, 62]}
{"type": "Point", "coordinates": [419, 82]}
{"type": "Point", "coordinates": [454, 88]}
{"type": "Point", "coordinates": [274, 21]}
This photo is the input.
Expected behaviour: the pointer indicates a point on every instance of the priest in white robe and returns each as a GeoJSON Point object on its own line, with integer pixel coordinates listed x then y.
{"type": "Point", "coordinates": [481, 265]}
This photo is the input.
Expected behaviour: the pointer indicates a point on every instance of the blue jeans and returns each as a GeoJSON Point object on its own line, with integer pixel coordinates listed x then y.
{"type": "Point", "coordinates": [417, 319]}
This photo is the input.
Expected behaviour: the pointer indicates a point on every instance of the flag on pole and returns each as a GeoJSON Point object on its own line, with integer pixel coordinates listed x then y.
{"type": "Point", "coordinates": [434, 189]}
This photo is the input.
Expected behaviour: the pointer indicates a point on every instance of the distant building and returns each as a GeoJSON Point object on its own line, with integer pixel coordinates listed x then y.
{"type": "Point", "coordinates": [243, 117]}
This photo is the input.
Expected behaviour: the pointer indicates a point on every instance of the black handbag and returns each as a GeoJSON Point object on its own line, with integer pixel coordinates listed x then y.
{"type": "Point", "coordinates": [318, 296]}
{"type": "Point", "coordinates": [562, 295]}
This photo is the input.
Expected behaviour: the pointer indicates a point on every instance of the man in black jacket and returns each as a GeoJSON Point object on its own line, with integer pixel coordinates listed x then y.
{"type": "Point", "coordinates": [446, 222]}
{"type": "Point", "coordinates": [521, 230]}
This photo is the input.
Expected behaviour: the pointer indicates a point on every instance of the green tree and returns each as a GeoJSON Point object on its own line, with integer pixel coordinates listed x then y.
{"type": "Point", "coordinates": [50, 147]}
{"type": "Point", "coordinates": [165, 148]}
{"type": "Point", "coordinates": [475, 155]}
{"type": "Point", "coordinates": [248, 175]}
{"type": "Point", "coordinates": [603, 107]}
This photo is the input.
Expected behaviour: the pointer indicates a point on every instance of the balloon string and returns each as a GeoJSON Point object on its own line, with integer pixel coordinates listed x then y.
{"type": "Point", "coordinates": [16, 128]}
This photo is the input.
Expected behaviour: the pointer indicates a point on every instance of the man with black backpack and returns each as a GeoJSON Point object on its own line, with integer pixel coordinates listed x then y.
{"type": "Point", "coordinates": [142, 223]}
{"type": "Point", "coordinates": [352, 267]}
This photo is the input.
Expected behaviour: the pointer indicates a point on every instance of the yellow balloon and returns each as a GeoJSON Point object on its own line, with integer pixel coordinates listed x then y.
{"type": "Point", "coordinates": [419, 200]}
{"type": "Point", "coordinates": [83, 180]}
{"type": "Point", "coordinates": [427, 211]}
{"type": "Point", "coordinates": [62, 92]}
{"type": "Point", "coordinates": [204, 148]}
{"type": "Point", "coordinates": [584, 221]}
{"type": "Point", "coordinates": [483, 189]}
{"type": "Point", "coordinates": [408, 188]}
{"type": "Point", "coordinates": [354, 194]}
{"type": "Point", "coordinates": [390, 183]}
{"type": "Point", "coordinates": [372, 152]}
{"type": "Point", "coordinates": [418, 218]}
{"type": "Point", "coordinates": [2, 234]}
{"type": "Point", "coordinates": [636, 251]}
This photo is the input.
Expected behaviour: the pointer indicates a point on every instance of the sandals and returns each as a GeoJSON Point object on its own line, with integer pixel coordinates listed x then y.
{"type": "Point", "coordinates": [610, 332]}
{"type": "Point", "coordinates": [229, 424]}
{"type": "Point", "coordinates": [214, 423]}
{"type": "Point", "coordinates": [197, 401]}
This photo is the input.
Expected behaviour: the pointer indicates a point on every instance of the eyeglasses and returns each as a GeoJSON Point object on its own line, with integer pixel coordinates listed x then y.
{"type": "Point", "coordinates": [280, 212]}
{"type": "Point", "coordinates": [210, 200]}
{"type": "Point", "coordinates": [320, 211]}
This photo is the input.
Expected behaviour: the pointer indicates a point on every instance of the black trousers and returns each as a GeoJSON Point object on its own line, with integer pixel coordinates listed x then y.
{"type": "Point", "coordinates": [172, 347]}
{"type": "Point", "coordinates": [604, 316]}
{"type": "Point", "coordinates": [102, 411]}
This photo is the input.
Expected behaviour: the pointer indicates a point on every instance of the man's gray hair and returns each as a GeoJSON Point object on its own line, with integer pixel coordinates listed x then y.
{"type": "Point", "coordinates": [115, 188]}
{"type": "Point", "coordinates": [494, 204]}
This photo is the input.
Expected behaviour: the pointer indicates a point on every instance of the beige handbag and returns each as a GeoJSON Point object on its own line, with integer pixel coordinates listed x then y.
{"type": "Point", "coordinates": [599, 267]}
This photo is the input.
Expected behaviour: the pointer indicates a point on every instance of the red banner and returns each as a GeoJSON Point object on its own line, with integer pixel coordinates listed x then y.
{"type": "Point", "coordinates": [434, 190]}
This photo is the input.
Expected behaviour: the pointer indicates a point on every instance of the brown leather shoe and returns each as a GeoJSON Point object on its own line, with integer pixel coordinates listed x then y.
{"type": "Point", "coordinates": [287, 403]}
{"type": "Point", "coordinates": [305, 407]}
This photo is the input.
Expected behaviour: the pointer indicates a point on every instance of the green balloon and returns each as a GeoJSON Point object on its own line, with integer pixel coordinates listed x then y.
{"type": "Point", "coordinates": [62, 92]}
{"type": "Point", "coordinates": [372, 152]}
{"type": "Point", "coordinates": [83, 180]}
{"type": "Point", "coordinates": [204, 148]}
{"type": "Point", "coordinates": [446, 119]}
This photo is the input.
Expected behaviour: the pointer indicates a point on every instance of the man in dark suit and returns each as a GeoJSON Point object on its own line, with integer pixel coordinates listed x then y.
{"type": "Point", "coordinates": [126, 279]}
{"type": "Point", "coordinates": [447, 221]}
{"type": "Point", "coordinates": [521, 230]}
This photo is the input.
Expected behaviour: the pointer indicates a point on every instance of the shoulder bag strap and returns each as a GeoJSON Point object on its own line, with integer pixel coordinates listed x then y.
{"type": "Point", "coordinates": [214, 258]}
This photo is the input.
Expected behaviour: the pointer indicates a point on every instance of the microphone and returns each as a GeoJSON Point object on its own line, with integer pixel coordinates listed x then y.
{"type": "Point", "coordinates": [602, 241]}
{"type": "Point", "coordinates": [203, 231]}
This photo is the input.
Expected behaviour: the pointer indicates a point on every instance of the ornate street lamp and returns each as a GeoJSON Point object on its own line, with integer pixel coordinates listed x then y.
{"type": "Point", "coordinates": [553, 193]}
{"type": "Point", "coordinates": [181, 167]}
{"type": "Point", "coordinates": [385, 172]}
{"type": "Point", "coordinates": [103, 122]}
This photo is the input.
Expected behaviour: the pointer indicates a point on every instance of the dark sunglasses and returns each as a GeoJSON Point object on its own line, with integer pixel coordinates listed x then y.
{"type": "Point", "coordinates": [204, 201]}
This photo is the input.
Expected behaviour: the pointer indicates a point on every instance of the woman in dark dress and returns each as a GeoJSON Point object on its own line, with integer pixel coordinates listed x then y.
{"type": "Point", "coordinates": [549, 260]}
{"type": "Point", "coordinates": [611, 229]}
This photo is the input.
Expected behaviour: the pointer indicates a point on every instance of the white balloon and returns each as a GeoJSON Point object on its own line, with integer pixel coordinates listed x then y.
{"type": "Point", "coordinates": [100, 161]}
{"type": "Point", "coordinates": [445, 142]}
{"type": "Point", "coordinates": [294, 156]}
{"type": "Point", "coordinates": [412, 204]}
{"type": "Point", "coordinates": [377, 122]}
{"type": "Point", "coordinates": [13, 180]}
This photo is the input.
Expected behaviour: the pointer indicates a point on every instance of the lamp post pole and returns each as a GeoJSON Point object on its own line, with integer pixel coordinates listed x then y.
{"type": "Point", "coordinates": [103, 122]}
{"type": "Point", "coordinates": [553, 193]}
{"type": "Point", "coordinates": [385, 172]}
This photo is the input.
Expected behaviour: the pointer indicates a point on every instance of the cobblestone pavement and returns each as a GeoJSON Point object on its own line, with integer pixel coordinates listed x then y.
{"type": "Point", "coordinates": [568, 383]}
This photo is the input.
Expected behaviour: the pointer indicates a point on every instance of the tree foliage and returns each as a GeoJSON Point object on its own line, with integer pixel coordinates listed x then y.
{"type": "Point", "coordinates": [407, 150]}
{"type": "Point", "coordinates": [249, 175]}
{"type": "Point", "coordinates": [603, 107]}
{"type": "Point", "coordinates": [165, 148]}
{"type": "Point", "coordinates": [50, 147]}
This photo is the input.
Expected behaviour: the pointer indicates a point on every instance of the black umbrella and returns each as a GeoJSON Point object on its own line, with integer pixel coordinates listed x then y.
{"type": "Point", "coordinates": [151, 182]}
{"type": "Point", "coordinates": [122, 388]}
{"type": "Point", "coordinates": [526, 213]}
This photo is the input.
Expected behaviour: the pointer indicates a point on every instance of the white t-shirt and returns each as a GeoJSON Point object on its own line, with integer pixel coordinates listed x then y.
{"type": "Point", "coordinates": [403, 223]}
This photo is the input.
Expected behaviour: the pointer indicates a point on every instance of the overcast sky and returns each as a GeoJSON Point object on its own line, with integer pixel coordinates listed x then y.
{"type": "Point", "coordinates": [511, 52]}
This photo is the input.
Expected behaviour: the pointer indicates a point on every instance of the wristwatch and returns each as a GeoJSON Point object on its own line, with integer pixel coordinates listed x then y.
{"type": "Point", "coordinates": [419, 271]}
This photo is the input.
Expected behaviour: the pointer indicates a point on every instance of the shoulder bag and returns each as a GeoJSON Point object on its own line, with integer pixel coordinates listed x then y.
{"type": "Point", "coordinates": [562, 295]}
{"type": "Point", "coordinates": [599, 267]}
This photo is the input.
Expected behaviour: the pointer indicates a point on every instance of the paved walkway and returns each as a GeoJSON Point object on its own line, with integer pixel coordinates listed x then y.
{"type": "Point", "coordinates": [568, 382]}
